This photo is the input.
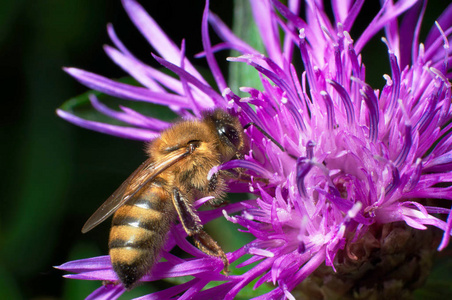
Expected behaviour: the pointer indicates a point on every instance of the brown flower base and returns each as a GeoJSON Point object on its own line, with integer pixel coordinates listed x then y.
{"type": "Point", "coordinates": [389, 262]}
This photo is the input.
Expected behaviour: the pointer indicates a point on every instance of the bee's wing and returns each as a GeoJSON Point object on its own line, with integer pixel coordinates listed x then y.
{"type": "Point", "coordinates": [147, 171]}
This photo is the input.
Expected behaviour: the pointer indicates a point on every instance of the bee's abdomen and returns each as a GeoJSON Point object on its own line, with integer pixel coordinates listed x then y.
{"type": "Point", "coordinates": [138, 232]}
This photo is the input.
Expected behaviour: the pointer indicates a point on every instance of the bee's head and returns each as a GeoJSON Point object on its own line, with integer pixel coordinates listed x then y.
{"type": "Point", "coordinates": [218, 134]}
{"type": "Point", "coordinates": [229, 131]}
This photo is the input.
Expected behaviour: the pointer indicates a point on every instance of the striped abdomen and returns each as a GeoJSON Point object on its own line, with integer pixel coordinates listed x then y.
{"type": "Point", "coordinates": [138, 233]}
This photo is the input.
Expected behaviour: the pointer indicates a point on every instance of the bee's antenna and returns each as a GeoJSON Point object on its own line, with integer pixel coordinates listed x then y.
{"type": "Point", "coordinates": [264, 133]}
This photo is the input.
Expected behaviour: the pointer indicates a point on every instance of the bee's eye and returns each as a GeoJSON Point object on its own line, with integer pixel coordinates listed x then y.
{"type": "Point", "coordinates": [229, 132]}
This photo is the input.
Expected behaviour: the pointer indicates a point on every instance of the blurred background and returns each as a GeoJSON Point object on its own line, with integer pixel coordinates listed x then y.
{"type": "Point", "coordinates": [54, 174]}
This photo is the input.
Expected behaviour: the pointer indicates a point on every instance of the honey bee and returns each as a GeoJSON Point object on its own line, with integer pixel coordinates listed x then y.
{"type": "Point", "coordinates": [163, 189]}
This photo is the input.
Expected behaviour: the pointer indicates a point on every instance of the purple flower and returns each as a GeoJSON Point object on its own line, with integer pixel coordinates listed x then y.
{"type": "Point", "coordinates": [362, 172]}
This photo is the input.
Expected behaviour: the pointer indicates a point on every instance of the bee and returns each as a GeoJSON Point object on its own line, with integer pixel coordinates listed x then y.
{"type": "Point", "coordinates": [162, 190]}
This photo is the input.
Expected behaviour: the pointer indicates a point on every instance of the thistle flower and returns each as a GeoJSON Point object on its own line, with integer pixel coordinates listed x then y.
{"type": "Point", "coordinates": [362, 171]}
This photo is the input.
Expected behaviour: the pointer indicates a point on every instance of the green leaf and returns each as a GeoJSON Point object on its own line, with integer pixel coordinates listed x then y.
{"type": "Point", "coordinates": [81, 106]}
{"type": "Point", "coordinates": [249, 292]}
{"type": "Point", "coordinates": [241, 74]}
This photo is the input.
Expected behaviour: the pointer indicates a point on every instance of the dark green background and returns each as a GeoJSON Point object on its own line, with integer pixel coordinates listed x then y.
{"type": "Point", "coordinates": [54, 175]}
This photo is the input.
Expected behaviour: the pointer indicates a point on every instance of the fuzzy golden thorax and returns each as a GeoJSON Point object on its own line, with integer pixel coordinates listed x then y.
{"type": "Point", "coordinates": [218, 138]}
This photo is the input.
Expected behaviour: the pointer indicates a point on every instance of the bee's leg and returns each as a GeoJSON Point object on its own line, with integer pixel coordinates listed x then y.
{"type": "Point", "coordinates": [193, 226]}
{"type": "Point", "coordinates": [208, 245]}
